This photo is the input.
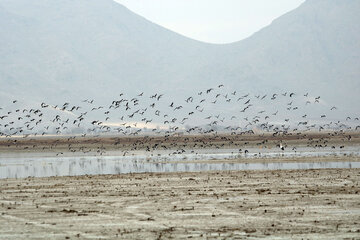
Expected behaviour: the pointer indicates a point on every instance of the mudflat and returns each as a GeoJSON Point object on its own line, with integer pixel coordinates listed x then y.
{"type": "Point", "coordinates": [282, 204]}
{"type": "Point", "coordinates": [102, 145]}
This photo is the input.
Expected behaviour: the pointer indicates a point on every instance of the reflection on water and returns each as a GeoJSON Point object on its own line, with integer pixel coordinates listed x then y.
{"type": "Point", "coordinates": [45, 164]}
{"type": "Point", "coordinates": [72, 166]}
{"type": "Point", "coordinates": [198, 154]}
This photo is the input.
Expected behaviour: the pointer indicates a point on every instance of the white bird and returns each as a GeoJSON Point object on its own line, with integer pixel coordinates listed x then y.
{"type": "Point", "coordinates": [282, 147]}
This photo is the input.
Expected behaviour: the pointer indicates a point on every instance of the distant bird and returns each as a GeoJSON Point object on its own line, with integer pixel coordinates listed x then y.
{"type": "Point", "coordinates": [198, 119]}
{"type": "Point", "coordinates": [281, 147]}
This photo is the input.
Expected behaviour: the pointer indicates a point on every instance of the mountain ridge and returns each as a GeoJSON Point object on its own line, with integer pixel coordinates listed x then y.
{"type": "Point", "coordinates": [66, 49]}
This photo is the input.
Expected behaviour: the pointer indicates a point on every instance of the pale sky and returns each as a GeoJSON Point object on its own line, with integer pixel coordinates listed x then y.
{"type": "Point", "coordinates": [214, 21]}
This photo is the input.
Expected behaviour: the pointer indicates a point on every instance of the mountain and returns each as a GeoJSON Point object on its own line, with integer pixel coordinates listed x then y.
{"type": "Point", "coordinates": [65, 50]}
{"type": "Point", "coordinates": [62, 46]}
{"type": "Point", "coordinates": [314, 47]}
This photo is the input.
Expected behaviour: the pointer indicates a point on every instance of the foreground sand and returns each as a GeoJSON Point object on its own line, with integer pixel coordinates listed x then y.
{"type": "Point", "coordinates": [309, 204]}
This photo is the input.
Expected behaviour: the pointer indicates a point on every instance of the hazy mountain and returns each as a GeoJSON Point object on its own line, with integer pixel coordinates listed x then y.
{"type": "Point", "coordinates": [63, 46]}
{"type": "Point", "coordinates": [69, 50]}
{"type": "Point", "coordinates": [316, 47]}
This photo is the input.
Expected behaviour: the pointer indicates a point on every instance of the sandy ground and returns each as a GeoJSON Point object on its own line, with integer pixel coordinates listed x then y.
{"type": "Point", "coordinates": [293, 204]}
{"type": "Point", "coordinates": [104, 145]}
{"type": "Point", "coordinates": [283, 204]}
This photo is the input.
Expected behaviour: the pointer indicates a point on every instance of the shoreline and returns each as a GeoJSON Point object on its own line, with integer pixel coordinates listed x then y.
{"type": "Point", "coordinates": [228, 204]}
{"type": "Point", "coordinates": [237, 204]}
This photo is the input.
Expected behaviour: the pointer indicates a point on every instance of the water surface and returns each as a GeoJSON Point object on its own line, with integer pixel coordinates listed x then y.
{"type": "Point", "coordinates": [74, 166]}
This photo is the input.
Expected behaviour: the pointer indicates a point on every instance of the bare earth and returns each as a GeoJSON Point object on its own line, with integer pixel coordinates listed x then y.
{"type": "Point", "coordinates": [104, 144]}
{"type": "Point", "coordinates": [297, 204]}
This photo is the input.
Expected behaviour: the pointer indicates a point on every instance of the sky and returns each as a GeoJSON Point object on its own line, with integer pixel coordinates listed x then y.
{"type": "Point", "coordinates": [213, 21]}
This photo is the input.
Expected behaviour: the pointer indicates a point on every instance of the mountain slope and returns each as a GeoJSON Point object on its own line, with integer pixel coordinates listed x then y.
{"type": "Point", "coordinates": [101, 44]}
{"type": "Point", "coordinates": [61, 50]}
{"type": "Point", "coordinates": [315, 47]}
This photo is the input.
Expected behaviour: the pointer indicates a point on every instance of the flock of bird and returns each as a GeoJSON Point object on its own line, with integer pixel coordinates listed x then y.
{"type": "Point", "coordinates": [212, 111]}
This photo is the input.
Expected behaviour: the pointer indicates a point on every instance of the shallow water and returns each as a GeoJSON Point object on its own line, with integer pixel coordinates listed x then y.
{"type": "Point", "coordinates": [198, 154]}
{"type": "Point", "coordinates": [45, 164]}
{"type": "Point", "coordinates": [74, 166]}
